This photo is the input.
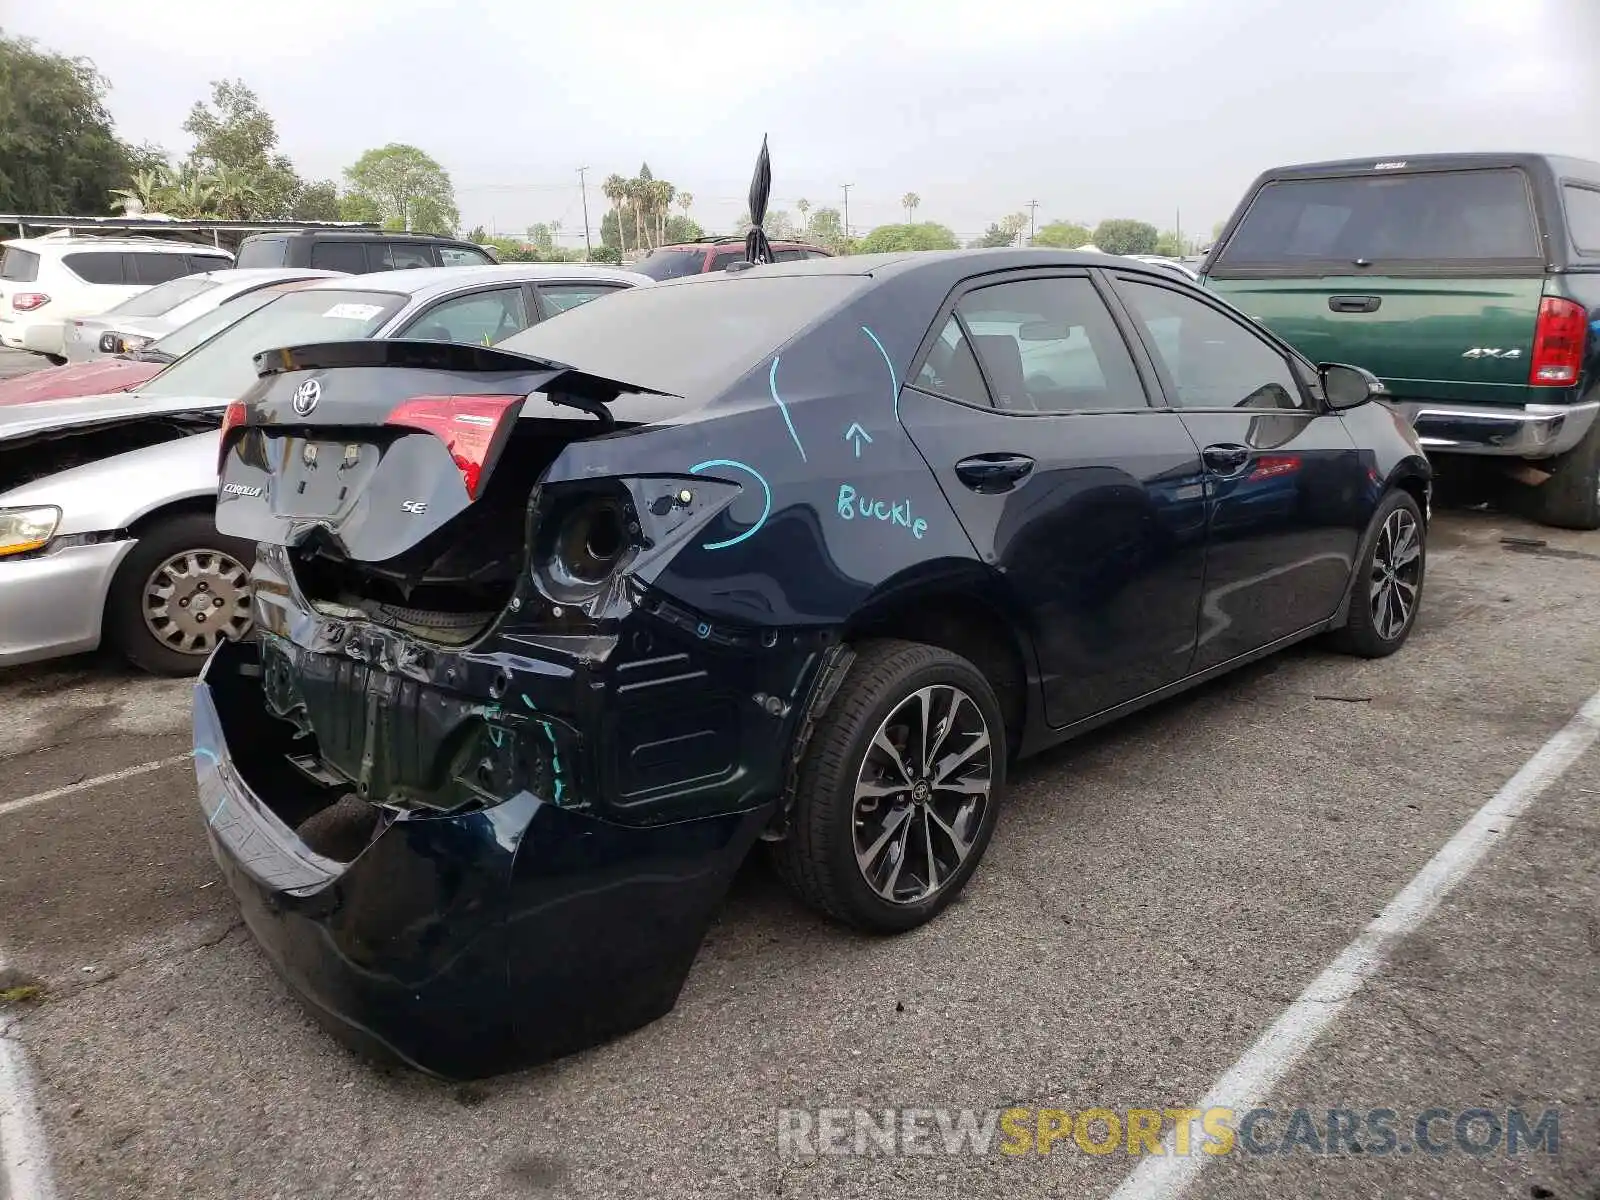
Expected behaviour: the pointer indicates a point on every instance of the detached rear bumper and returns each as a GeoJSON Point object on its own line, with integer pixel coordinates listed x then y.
{"type": "Point", "coordinates": [463, 945]}
{"type": "Point", "coordinates": [1529, 431]}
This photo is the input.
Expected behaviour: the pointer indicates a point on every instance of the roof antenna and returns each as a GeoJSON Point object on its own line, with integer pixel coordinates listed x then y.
{"type": "Point", "coordinates": [756, 247]}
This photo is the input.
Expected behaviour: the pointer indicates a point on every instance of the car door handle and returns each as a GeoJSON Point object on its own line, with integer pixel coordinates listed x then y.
{"type": "Point", "coordinates": [1225, 459]}
{"type": "Point", "coordinates": [989, 473]}
{"type": "Point", "coordinates": [1354, 304]}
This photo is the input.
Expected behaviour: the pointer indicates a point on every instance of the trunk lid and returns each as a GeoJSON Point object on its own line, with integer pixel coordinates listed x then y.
{"type": "Point", "coordinates": [376, 446]}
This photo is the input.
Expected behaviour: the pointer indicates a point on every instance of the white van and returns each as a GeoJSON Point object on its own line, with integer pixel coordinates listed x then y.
{"type": "Point", "coordinates": [46, 281]}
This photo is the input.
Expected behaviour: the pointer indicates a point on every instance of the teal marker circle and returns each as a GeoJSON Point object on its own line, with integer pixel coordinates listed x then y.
{"type": "Point", "coordinates": [766, 493]}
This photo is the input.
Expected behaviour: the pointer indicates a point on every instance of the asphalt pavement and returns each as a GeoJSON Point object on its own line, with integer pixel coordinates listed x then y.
{"type": "Point", "coordinates": [1156, 895]}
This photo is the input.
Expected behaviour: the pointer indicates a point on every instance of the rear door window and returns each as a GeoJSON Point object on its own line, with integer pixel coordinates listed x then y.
{"type": "Point", "coordinates": [151, 268]}
{"type": "Point", "coordinates": [166, 297]}
{"type": "Point", "coordinates": [557, 298]}
{"type": "Point", "coordinates": [350, 257]}
{"type": "Point", "coordinates": [1583, 217]}
{"type": "Point", "coordinates": [482, 318]}
{"type": "Point", "coordinates": [1427, 218]}
{"type": "Point", "coordinates": [98, 266]}
{"type": "Point", "coordinates": [399, 256]}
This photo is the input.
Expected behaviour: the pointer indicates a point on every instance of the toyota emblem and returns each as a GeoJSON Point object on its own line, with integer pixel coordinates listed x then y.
{"type": "Point", "coordinates": [306, 397]}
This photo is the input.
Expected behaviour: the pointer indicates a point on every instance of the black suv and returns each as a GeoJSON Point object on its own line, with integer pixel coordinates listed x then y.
{"type": "Point", "coordinates": [358, 252]}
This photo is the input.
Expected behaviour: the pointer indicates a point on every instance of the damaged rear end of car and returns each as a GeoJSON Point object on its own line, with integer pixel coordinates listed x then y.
{"type": "Point", "coordinates": [478, 782]}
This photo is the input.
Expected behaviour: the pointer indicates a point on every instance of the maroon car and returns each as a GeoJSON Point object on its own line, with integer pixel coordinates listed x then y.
{"type": "Point", "coordinates": [126, 372]}
{"type": "Point", "coordinates": [714, 254]}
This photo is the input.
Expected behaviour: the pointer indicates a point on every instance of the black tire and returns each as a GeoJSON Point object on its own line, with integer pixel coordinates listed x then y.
{"type": "Point", "coordinates": [818, 858]}
{"type": "Point", "coordinates": [1570, 498]}
{"type": "Point", "coordinates": [126, 627]}
{"type": "Point", "coordinates": [55, 360]}
{"type": "Point", "coordinates": [1363, 633]}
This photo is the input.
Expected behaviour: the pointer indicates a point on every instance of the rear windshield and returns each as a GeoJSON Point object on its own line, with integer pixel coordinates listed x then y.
{"type": "Point", "coordinates": [687, 338]}
{"type": "Point", "coordinates": [19, 266]}
{"type": "Point", "coordinates": [224, 368]}
{"type": "Point", "coordinates": [671, 264]}
{"type": "Point", "coordinates": [262, 252]}
{"type": "Point", "coordinates": [1439, 217]}
{"type": "Point", "coordinates": [186, 337]}
{"type": "Point", "coordinates": [164, 297]}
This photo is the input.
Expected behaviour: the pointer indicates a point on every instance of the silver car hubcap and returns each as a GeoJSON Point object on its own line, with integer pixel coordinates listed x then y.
{"type": "Point", "coordinates": [1396, 574]}
{"type": "Point", "coordinates": [921, 794]}
{"type": "Point", "coordinates": [195, 598]}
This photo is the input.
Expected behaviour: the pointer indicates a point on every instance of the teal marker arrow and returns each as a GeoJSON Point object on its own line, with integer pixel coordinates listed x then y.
{"type": "Point", "coordinates": [856, 435]}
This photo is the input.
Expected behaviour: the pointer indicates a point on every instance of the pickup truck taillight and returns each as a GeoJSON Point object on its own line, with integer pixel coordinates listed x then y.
{"type": "Point", "coordinates": [1558, 343]}
{"type": "Point", "coordinates": [28, 301]}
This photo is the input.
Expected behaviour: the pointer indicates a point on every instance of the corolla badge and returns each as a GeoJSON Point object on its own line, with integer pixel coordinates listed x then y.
{"type": "Point", "coordinates": [306, 397]}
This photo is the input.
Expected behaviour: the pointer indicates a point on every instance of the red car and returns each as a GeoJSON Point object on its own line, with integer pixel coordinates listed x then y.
{"type": "Point", "coordinates": [126, 372]}
{"type": "Point", "coordinates": [714, 254]}
{"type": "Point", "coordinates": [80, 379]}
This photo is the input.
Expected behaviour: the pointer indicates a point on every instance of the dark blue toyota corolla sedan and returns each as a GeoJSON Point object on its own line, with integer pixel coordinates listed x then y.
{"type": "Point", "coordinates": [548, 635]}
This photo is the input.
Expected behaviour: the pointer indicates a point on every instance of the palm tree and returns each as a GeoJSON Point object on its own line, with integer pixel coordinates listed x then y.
{"type": "Point", "coordinates": [615, 189]}
{"type": "Point", "coordinates": [555, 237]}
{"type": "Point", "coordinates": [661, 194]}
{"type": "Point", "coordinates": [804, 206]}
{"type": "Point", "coordinates": [909, 202]}
{"type": "Point", "coordinates": [639, 202]}
{"type": "Point", "coordinates": [686, 201]}
{"type": "Point", "coordinates": [233, 193]}
{"type": "Point", "coordinates": [148, 189]}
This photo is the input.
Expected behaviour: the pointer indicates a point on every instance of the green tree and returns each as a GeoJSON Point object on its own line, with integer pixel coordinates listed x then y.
{"type": "Point", "coordinates": [826, 229]}
{"type": "Point", "coordinates": [318, 201]}
{"type": "Point", "coordinates": [683, 229]}
{"type": "Point", "coordinates": [478, 234]}
{"type": "Point", "coordinates": [1169, 244]}
{"type": "Point", "coordinates": [234, 142]}
{"type": "Point", "coordinates": [58, 150]}
{"type": "Point", "coordinates": [408, 188]}
{"type": "Point", "coordinates": [606, 254]}
{"type": "Point", "coordinates": [1120, 235]}
{"type": "Point", "coordinates": [359, 208]}
{"type": "Point", "coordinates": [1062, 235]}
{"type": "Point", "coordinates": [995, 236]}
{"type": "Point", "coordinates": [924, 236]}
{"type": "Point", "coordinates": [803, 206]}
{"type": "Point", "coordinates": [909, 202]}
{"type": "Point", "coordinates": [615, 190]}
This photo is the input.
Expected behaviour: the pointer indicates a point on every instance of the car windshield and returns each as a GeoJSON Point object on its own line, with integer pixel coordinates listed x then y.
{"type": "Point", "coordinates": [224, 368]}
{"type": "Point", "coordinates": [688, 337]}
{"type": "Point", "coordinates": [671, 264]}
{"type": "Point", "coordinates": [164, 297]}
{"type": "Point", "coordinates": [186, 337]}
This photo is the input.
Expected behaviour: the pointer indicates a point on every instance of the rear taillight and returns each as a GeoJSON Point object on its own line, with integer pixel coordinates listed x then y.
{"type": "Point", "coordinates": [467, 425]}
{"type": "Point", "coordinates": [232, 417]}
{"type": "Point", "coordinates": [28, 301]}
{"type": "Point", "coordinates": [1558, 343]}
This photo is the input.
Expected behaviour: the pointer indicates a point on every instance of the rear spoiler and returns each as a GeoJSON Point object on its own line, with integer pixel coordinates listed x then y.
{"type": "Point", "coordinates": [444, 356]}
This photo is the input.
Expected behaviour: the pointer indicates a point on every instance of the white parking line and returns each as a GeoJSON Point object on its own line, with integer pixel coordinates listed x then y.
{"type": "Point", "coordinates": [1247, 1082]}
{"type": "Point", "coordinates": [24, 1160]}
{"type": "Point", "coordinates": [11, 806]}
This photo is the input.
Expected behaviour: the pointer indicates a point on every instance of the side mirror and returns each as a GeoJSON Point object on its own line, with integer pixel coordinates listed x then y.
{"type": "Point", "coordinates": [1349, 387]}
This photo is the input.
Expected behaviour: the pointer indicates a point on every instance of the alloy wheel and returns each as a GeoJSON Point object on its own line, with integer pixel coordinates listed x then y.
{"type": "Point", "coordinates": [921, 794]}
{"type": "Point", "coordinates": [1396, 574]}
{"type": "Point", "coordinates": [196, 598]}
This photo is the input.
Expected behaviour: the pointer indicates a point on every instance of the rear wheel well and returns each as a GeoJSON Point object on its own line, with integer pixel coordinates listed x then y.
{"type": "Point", "coordinates": [1417, 488]}
{"type": "Point", "coordinates": [964, 626]}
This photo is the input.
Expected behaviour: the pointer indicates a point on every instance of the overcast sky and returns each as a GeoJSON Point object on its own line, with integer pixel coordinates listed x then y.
{"type": "Point", "coordinates": [1094, 108]}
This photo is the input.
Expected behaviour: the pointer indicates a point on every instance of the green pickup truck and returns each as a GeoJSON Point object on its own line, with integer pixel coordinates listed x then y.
{"type": "Point", "coordinates": [1468, 283]}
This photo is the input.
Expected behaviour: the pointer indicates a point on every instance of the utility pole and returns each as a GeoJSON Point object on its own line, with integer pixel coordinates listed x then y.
{"type": "Point", "coordinates": [583, 186]}
{"type": "Point", "coordinates": [847, 188]}
{"type": "Point", "coordinates": [1033, 207]}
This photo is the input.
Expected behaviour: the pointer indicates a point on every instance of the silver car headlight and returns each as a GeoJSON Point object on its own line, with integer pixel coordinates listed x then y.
{"type": "Point", "coordinates": [24, 529]}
